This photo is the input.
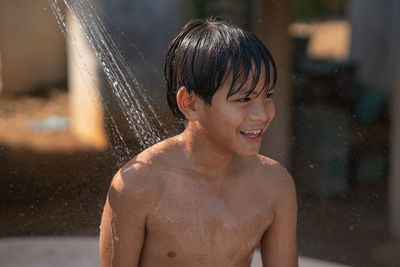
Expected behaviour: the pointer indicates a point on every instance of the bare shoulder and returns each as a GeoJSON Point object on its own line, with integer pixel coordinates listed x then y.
{"type": "Point", "coordinates": [273, 169]}
{"type": "Point", "coordinates": [140, 178]}
{"type": "Point", "coordinates": [282, 230]}
{"type": "Point", "coordinates": [276, 176]}
{"type": "Point", "coordinates": [133, 193]}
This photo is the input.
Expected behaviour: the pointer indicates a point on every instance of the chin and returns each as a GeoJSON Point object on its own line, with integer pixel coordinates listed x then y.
{"type": "Point", "coordinates": [249, 152]}
{"type": "Point", "coordinates": [248, 155]}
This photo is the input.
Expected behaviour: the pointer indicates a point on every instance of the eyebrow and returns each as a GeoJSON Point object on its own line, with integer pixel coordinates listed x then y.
{"type": "Point", "coordinates": [250, 92]}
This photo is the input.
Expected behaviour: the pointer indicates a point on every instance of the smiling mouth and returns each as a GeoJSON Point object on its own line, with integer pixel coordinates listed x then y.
{"type": "Point", "coordinates": [252, 134]}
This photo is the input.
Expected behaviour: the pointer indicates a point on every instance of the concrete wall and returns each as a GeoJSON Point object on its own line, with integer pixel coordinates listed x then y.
{"type": "Point", "coordinates": [31, 45]}
{"type": "Point", "coordinates": [143, 30]}
{"type": "Point", "coordinates": [373, 38]}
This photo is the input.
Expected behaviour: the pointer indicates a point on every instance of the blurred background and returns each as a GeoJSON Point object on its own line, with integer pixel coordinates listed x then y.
{"type": "Point", "coordinates": [337, 127]}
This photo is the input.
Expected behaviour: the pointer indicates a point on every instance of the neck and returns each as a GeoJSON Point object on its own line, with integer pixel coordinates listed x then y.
{"type": "Point", "coordinates": [206, 157]}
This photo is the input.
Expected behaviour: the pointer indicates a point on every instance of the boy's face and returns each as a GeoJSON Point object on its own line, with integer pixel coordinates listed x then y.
{"type": "Point", "coordinates": [238, 123]}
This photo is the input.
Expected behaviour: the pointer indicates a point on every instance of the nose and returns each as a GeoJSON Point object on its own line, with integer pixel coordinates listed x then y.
{"type": "Point", "coordinates": [262, 110]}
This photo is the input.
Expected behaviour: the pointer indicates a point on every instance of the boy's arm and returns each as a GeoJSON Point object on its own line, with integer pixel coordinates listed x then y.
{"type": "Point", "coordinates": [122, 229]}
{"type": "Point", "coordinates": [278, 244]}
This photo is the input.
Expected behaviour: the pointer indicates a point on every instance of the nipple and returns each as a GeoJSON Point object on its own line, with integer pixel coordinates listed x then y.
{"type": "Point", "coordinates": [171, 254]}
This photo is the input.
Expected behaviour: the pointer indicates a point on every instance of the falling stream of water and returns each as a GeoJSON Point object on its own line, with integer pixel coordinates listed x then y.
{"type": "Point", "coordinates": [120, 78]}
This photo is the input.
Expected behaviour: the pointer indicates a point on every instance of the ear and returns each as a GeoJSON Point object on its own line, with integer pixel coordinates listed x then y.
{"type": "Point", "coordinates": [186, 103]}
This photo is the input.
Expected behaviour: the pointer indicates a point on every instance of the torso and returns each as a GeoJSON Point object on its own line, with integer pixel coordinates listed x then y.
{"type": "Point", "coordinates": [198, 223]}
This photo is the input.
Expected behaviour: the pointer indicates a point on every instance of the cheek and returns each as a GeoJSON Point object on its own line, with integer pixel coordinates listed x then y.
{"type": "Point", "coordinates": [229, 118]}
{"type": "Point", "coordinates": [271, 110]}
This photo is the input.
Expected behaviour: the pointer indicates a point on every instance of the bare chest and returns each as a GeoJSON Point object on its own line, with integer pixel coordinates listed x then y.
{"type": "Point", "coordinates": [192, 219]}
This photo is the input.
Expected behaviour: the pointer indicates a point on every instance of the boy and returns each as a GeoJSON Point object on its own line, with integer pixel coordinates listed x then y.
{"type": "Point", "coordinates": [206, 197]}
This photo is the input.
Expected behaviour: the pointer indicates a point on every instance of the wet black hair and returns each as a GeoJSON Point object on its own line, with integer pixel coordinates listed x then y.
{"type": "Point", "coordinates": [206, 52]}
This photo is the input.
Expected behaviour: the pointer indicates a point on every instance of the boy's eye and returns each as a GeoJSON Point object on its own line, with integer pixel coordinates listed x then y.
{"type": "Point", "coordinates": [269, 95]}
{"type": "Point", "coordinates": [243, 100]}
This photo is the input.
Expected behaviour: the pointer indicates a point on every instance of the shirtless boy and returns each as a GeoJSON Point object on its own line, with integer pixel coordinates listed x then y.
{"type": "Point", "coordinates": [206, 197]}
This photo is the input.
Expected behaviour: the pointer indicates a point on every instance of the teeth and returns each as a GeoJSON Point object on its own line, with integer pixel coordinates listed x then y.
{"type": "Point", "coordinates": [255, 132]}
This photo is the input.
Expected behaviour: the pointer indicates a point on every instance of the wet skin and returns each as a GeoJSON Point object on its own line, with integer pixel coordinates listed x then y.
{"type": "Point", "coordinates": [204, 197]}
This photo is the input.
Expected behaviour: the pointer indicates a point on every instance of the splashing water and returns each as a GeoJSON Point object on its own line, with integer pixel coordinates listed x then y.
{"type": "Point", "coordinates": [125, 87]}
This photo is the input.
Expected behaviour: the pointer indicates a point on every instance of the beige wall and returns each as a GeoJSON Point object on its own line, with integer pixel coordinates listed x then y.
{"type": "Point", "coordinates": [31, 45]}
{"type": "Point", "coordinates": [1, 80]}
{"type": "Point", "coordinates": [87, 122]}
